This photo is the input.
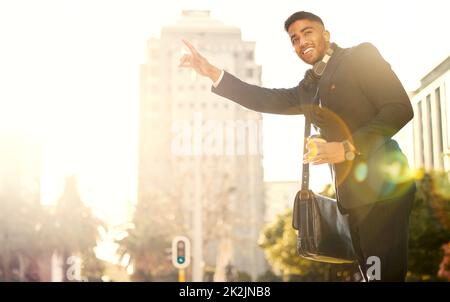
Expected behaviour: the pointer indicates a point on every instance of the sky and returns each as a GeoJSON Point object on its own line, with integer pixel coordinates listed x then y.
{"type": "Point", "coordinates": [69, 72]}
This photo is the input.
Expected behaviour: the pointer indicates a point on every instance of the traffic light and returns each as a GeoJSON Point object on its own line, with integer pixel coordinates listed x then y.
{"type": "Point", "coordinates": [181, 252]}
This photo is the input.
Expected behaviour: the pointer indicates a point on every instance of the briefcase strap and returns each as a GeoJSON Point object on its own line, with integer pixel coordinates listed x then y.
{"type": "Point", "coordinates": [305, 171]}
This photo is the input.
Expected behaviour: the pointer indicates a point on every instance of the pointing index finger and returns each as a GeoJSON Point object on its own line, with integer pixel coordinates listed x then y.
{"type": "Point", "coordinates": [190, 46]}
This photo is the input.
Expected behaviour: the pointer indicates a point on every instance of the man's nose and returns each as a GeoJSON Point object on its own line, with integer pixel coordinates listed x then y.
{"type": "Point", "coordinates": [303, 42]}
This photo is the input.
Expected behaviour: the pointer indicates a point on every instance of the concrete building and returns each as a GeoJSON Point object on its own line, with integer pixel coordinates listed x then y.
{"type": "Point", "coordinates": [278, 197]}
{"type": "Point", "coordinates": [20, 177]}
{"type": "Point", "coordinates": [201, 150]}
{"type": "Point", "coordinates": [426, 139]}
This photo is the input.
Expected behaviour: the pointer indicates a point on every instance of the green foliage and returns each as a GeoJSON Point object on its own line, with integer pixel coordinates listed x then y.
{"type": "Point", "coordinates": [268, 276]}
{"type": "Point", "coordinates": [20, 222]}
{"type": "Point", "coordinates": [444, 267]}
{"type": "Point", "coordinates": [429, 233]}
{"type": "Point", "coordinates": [243, 277]}
{"type": "Point", "coordinates": [29, 231]}
{"type": "Point", "coordinates": [279, 241]}
{"type": "Point", "coordinates": [429, 228]}
{"type": "Point", "coordinates": [156, 221]}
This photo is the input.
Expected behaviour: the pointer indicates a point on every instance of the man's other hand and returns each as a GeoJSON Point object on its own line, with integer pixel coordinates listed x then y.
{"type": "Point", "coordinates": [323, 152]}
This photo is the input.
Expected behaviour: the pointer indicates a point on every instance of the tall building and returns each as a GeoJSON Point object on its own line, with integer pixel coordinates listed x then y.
{"type": "Point", "coordinates": [20, 159]}
{"type": "Point", "coordinates": [200, 151]}
{"type": "Point", "coordinates": [20, 162]}
{"type": "Point", "coordinates": [426, 140]}
{"type": "Point", "coordinates": [279, 197]}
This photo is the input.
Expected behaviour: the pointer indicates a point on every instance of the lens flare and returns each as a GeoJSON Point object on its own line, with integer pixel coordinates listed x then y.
{"type": "Point", "coordinates": [361, 171]}
{"type": "Point", "coordinates": [398, 177]}
{"type": "Point", "coordinates": [312, 146]}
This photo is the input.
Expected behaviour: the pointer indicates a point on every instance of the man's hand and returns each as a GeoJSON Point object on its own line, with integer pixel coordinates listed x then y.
{"type": "Point", "coordinates": [322, 152]}
{"type": "Point", "coordinates": [199, 63]}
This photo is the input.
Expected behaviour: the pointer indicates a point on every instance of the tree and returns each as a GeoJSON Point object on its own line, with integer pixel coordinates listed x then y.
{"type": "Point", "coordinates": [444, 267]}
{"type": "Point", "coordinates": [279, 241]}
{"type": "Point", "coordinates": [157, 219]}
{"type": "Point", "coordinates": [166, 211]}
{"type": "Point", "coordinates": [72, 230]}
{"type": "Point", "coordinates": [429, 227]}
{"type": "Point", "coordinates": [268, 276]}
{"type": "Point", "coordinates": [20, 221]}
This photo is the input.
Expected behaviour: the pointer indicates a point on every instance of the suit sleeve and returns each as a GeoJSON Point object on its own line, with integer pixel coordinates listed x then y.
{"type": "Point", "coordinates": [278, 101]}
{"type": "Point", "coordinates": [385, 91]}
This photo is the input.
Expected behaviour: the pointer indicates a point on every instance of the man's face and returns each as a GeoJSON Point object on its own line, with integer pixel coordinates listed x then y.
{"type": "Point", "coordinates": [310, 40]}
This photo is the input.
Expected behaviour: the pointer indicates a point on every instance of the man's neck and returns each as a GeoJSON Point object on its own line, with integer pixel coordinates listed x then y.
{"type": "Point", "coordinates": [328, 46]}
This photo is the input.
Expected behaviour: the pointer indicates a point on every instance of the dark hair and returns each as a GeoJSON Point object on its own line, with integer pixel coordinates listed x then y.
{"type": "Point", "coordinates": [301, 16]}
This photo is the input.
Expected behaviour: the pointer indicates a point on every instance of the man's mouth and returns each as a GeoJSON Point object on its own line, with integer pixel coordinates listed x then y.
{"type": "Point", "coordinates": [308, 50]}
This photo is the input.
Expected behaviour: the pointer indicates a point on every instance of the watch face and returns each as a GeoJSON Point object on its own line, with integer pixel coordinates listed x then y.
{"type": "Point", "coordinates": [349, 155]}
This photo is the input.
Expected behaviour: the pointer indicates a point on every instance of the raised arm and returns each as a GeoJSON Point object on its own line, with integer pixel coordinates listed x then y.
{"type": "Point", "coordinates": [278, 101]}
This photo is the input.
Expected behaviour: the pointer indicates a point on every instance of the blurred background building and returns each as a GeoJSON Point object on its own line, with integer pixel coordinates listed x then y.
{"type": "Point", "coordinates": [278, 197]}
{"type": "Point", "coordinates": [426, 139]}
{"type": "Point", "coordinates": [200, 153]}
{"type": "Point", "coordinates": [20, 162]}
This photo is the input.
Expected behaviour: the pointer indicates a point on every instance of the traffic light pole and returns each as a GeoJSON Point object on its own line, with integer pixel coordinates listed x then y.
{"type": "Point", "coordinates": [181, 275]}
{"type": "Point", "coordinates": [197, 253]}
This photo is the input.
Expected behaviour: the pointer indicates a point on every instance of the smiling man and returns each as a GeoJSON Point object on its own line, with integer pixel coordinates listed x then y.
{"type": "Point", "coordinates": [309, 38]}
{"type": "Point", "coordinates": [355, 100]}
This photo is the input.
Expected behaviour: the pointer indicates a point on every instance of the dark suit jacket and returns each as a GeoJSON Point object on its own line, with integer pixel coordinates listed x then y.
{"type": "Point", "coordinates": [361, 100]}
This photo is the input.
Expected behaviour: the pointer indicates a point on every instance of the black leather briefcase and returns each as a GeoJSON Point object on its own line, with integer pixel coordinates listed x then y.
{"type": "Point", "coordinates": [323, 232]}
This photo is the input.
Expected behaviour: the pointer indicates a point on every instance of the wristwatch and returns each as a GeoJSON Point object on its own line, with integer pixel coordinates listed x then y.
{"type": "Point", "coordinates": [349, 153]}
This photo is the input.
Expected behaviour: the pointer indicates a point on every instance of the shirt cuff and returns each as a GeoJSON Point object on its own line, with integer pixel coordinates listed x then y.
{"type": "Point", "coordinates": [216, 83]}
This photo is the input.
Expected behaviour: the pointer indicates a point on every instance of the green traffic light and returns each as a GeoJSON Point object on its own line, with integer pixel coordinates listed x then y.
{"type": "Point", "coordinates": [180, 260]}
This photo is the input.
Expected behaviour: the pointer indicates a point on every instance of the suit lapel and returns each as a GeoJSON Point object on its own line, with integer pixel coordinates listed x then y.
{"type": "Point", "coordinates": [325, 81]}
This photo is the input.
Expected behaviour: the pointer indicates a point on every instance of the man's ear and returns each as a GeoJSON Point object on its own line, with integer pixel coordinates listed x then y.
{"type": "Point", "coordinates": [326, 35]}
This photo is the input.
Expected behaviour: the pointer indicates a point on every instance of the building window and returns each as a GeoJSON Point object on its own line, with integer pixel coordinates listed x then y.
{"type": "Point", "coordinates": [250, 55]}
{"type": "Point", "coordinates": [154, 54]}
{"type": "Point", "coordinates": [154, 106]}
{"type": "Point", "coordinates": [154, 71]}
{"type": "Point", "coordinates": [420, 133]}
{"type": "Point", "coordinates": [430, 130]}
{"type": "Point", "coordinates": [439, 120]}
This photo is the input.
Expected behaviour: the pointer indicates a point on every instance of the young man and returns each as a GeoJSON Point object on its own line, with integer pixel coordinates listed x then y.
{"type": "Point", "coordinates": [358, 103]}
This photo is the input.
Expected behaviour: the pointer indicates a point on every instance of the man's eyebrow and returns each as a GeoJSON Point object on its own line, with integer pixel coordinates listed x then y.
{"type": "Point", "coordinates": [302, 30]}
{"type": "Point", "coordinates": [307, 27]}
